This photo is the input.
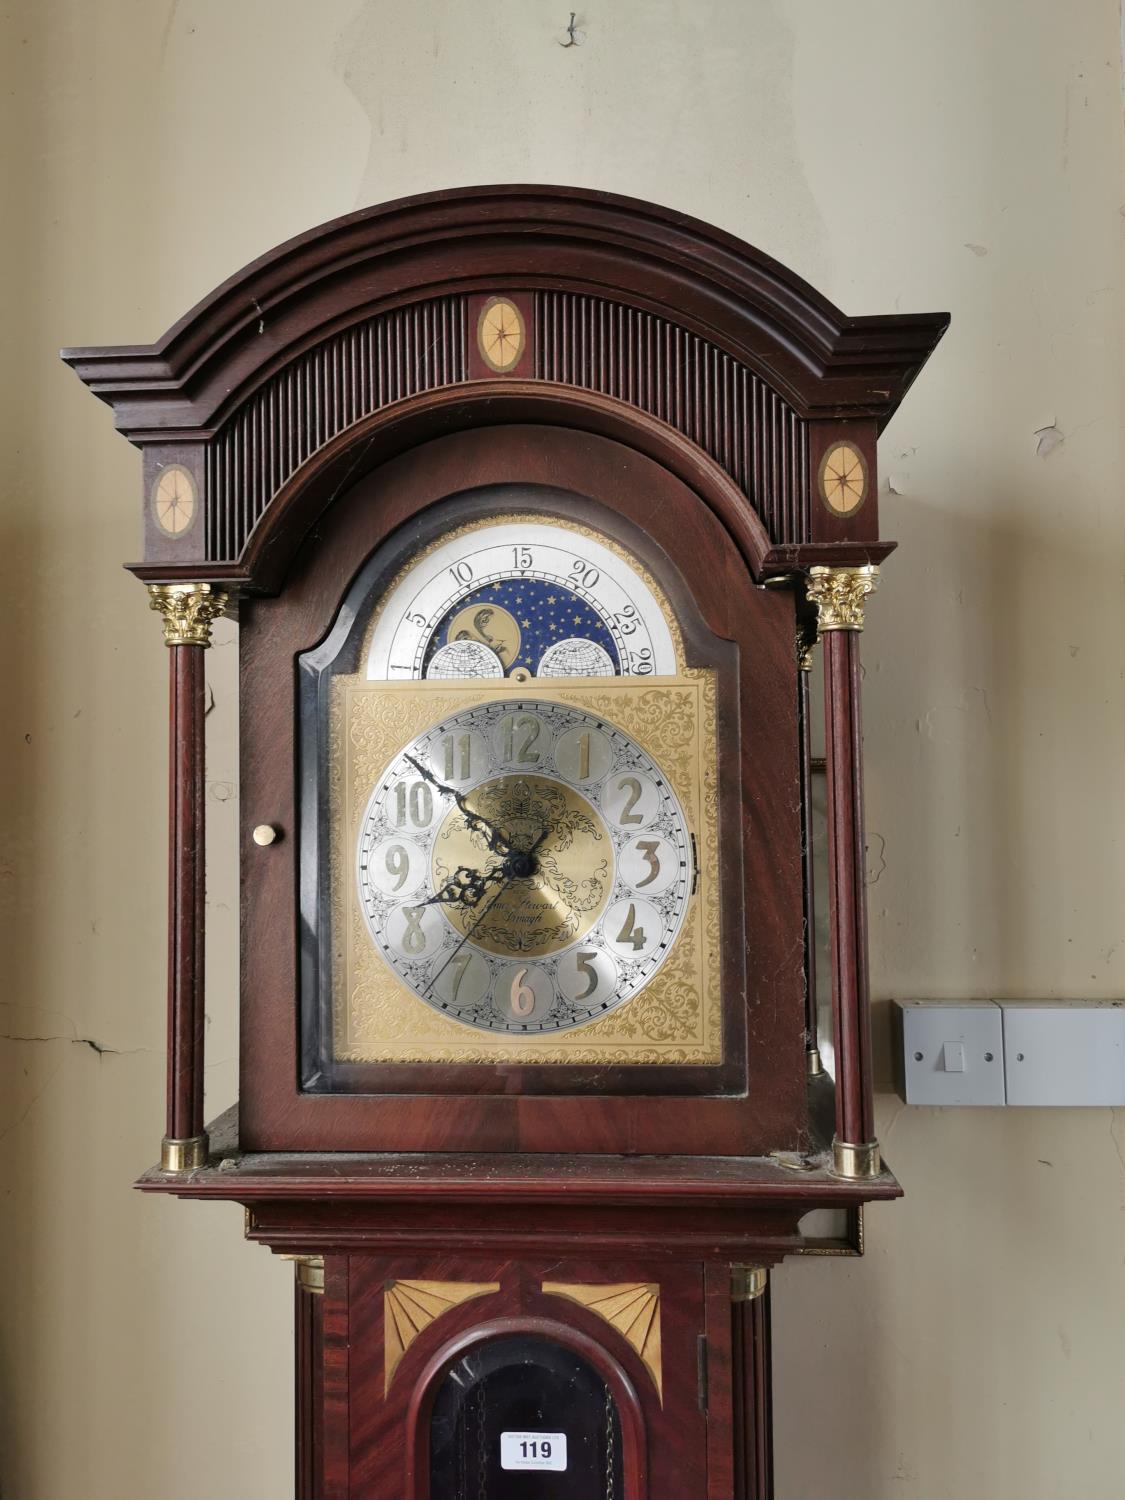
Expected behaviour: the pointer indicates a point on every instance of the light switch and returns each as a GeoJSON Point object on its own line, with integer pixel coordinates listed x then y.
{"type": "Point", "coordinates": [950, 1053]}
{"type": "Point", "coordinates": [954, 1054]}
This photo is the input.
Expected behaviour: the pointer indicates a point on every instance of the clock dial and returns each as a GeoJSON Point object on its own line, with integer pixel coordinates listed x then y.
{"type": "Point", "coordinates": [173, 500]}
{"type": "Point", "coordinates": [843, 479]}
{"type": "Point", "coordinates": [500, 334]}
{"type": "Point", "coordinates": [528, 597]}
{"type": "Point", "coordinates": [524, 866]}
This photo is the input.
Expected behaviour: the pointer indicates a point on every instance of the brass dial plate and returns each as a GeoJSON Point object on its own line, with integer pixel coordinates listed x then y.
{"type": "Point", "coordinates": [599, 988]}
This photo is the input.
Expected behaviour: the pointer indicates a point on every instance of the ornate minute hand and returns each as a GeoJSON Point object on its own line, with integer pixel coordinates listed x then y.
{"type": "Point", "coordinates": [497, 843]}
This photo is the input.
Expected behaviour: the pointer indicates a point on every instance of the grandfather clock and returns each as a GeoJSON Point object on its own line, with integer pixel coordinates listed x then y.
{"type": "Point", "coordinates": [532, 505]}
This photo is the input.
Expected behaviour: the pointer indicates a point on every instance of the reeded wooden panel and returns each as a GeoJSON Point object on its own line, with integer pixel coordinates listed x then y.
{"type": "Point", "coordinates": [689, 383]}
{"type": "Point", "coordinates": [366, 367]}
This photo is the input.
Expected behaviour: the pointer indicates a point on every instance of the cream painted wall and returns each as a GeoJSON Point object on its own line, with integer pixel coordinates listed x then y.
{"type": "Point", "coordinates": [901, 156]}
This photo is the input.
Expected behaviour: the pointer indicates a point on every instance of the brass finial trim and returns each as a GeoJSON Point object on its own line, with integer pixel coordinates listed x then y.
{"type": "Point", "coordinates": [188, 610]}
{"type": "Point", "coordinates": [856, 1161]}
{"type": "Point", "coordinates": [839, 595]}
{"type": "Point", "coordinates": [310, 1272]}
{"type": "Point", "coordinates": [748, 1283]}
{"type": "Point", "coordinates": [814, 1063]}
{"type": "Point", "coordinates": [183, 1155]}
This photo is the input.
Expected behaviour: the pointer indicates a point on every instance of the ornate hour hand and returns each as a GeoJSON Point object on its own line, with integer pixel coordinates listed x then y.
{"type": "Point", "coordinates": [466, 887]}
{"type": "Point", "coordinates": [497, 843]}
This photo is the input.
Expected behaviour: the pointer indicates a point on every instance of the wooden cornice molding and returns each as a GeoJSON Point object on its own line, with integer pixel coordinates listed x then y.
{"type": "Point", "coordinates": [823, 363]}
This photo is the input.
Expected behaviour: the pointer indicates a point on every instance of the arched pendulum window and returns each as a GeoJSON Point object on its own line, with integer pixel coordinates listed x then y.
{"type": "Point", "coordinates": [523, 1417]}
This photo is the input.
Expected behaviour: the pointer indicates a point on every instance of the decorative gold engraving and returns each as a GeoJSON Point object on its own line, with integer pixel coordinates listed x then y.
{"type": "Point", "coordinates": [674, 1019]}
{"type": "Point", "coordinates": [409, 1307]}
{"type": "Point", "coordinates": [500, 334]}
{"type": "Point", "coordinates": [562, 900]}
{"type": "Point", "coordinates": [633, 1308]}
{"type": "Point", "coordinates": [843, 479]}
{"type": "Point", "coordinates": [839, 595]}
{"type": "Point", "coordinates": [188, 610]}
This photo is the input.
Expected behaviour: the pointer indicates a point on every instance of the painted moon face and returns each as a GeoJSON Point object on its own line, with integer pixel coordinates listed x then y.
{"type": "Point", "coordinates": [524, 866]}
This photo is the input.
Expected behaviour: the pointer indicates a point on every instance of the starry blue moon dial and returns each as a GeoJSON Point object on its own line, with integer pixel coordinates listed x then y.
{"type": "Point", "coordinates": [523, 596]}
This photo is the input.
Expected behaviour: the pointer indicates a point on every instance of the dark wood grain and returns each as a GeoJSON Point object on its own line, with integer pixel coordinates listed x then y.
{"type": "Point", "coordinates": [753, 1398]}
{"type": "Point", "coordinates": [696, 559]}
{"type": "Point", "coordinates": [186, 897]}
{"type": "Point", "coordinates": [847, 894]}
{"type": "Point", "coordinates": [308, 1403]}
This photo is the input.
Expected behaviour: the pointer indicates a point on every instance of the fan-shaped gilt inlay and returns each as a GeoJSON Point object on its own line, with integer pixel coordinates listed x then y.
{"type": "Point", "coordinates": [633, 1308]}
{"type": "Point", "coordinates": [409, 1307]}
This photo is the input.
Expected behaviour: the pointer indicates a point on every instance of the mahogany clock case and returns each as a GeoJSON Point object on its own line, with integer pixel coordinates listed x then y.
{"type": "Point", "coordinates": [293, 1094]}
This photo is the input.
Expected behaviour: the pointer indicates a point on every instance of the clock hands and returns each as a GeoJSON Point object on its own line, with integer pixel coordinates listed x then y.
{"type": "Point", "coordinates": [497, 843]}
{"type": "Point", "coordinates": [467, 887]}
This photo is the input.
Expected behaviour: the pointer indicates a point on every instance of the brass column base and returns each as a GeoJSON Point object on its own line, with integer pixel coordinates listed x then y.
{"type": "Point", "coordinates": [856, 1161]}
{"type": "Point", "coordinates": [184, 1155]}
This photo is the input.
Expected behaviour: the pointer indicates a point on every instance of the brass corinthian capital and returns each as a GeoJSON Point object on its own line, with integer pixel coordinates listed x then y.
{"type": "Point", "coordinates": [839, 595]}
{"type": "Point", "coordinates": [188, 610]}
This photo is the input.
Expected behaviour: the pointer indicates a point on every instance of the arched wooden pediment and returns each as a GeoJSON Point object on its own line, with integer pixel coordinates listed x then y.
{"type": "Point", "coordinates": [352, 326]}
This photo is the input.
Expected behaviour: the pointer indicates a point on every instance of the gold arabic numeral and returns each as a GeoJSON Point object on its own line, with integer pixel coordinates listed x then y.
{"type": "Point", "coordinates": [630, 932]}
{"type": "Point", "coordinates": [648, 848]}
{"type": "Point", "coordinates": [464, 745]}
{"type": "Point", "coordinates": [417, 800]}
{"type": "Point", "coordinates": [522, 996]}
{"type": "Point", "coordinates": [413, 939]}
{"type": "Point", "coordinates": [525, 755]}
{"type": "Point", "coordinates": [632, 786]}
{"type": "Point", "coordinates": [458, 964]}
{"type": "Point", "coordinates": [398, 864]}
{"type": "Point", "coordinates": [585, 965]}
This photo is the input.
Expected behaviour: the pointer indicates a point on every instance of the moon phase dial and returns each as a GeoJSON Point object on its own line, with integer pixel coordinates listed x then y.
{"type": "Point", "coordinates": [524, 866]}
{"type": "Point", "coordinates": [521, 597]}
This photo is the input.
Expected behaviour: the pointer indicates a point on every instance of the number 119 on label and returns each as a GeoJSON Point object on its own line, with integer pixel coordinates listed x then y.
{"type": "Point", "coordinates": [533, 1450]}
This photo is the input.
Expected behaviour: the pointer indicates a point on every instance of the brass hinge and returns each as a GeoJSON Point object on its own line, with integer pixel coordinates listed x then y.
{"type": "Point", "coordinates": [701, 1371]}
